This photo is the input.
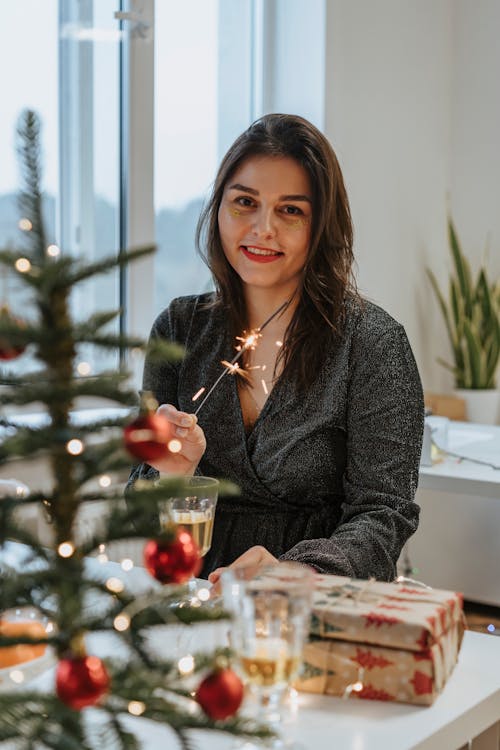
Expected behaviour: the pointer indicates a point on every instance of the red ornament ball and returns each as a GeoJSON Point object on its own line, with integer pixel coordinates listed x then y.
{"type": "Point", "coordinates": [220, 694]}
{"type": "Point", "coordinates": [8, 350]}
{"type": "Point", "coordinates": [173, 560]}
{"type": "Point", "coordinates": [149, 437]}
{"type": "Point", "coordinates": [81, 681]}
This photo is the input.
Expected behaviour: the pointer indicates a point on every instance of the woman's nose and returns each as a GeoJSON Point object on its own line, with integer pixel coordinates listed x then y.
{"type": "Point", "coordinates": [264, 224]}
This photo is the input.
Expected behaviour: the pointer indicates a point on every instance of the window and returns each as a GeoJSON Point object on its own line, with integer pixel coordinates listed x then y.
{"type": "Point", "coordinates": [203, 100]}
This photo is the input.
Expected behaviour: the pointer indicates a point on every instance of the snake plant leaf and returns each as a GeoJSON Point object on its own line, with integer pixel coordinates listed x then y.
{"type": "Point", "coordinates": [474, 353]}
{"type": "Point", "coordinates": [472, 318]}
{"type": "Point", "coordinates": [461, 267]}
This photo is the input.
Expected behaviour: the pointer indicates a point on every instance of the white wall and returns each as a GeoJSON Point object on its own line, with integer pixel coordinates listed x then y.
{"type": "Point", "coordinates": [475, 141]}
{"type": "Point", "coordinates": [388, 115]}
{"type": "Point", "coordinates": [413, 111]}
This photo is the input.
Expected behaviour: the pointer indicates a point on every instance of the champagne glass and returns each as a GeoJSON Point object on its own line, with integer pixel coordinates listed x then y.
{"type": "Point", "coordinates": [193, 510]}
{"type": "Point", "coordinates": [271, 615]}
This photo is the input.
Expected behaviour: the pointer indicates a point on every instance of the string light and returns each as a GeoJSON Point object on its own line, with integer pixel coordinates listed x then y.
{"type": "Point", "coordinates": [203, 595]}
{"type": "Point", "coordinates": [104, 480]}
{"type": "Point", "coordinates": [174, 446]}
{"type": "Point", "coordinates": [53, 251]}
{"type": "Point", "coordinates": [136, 708]}
{"type": "Point", "coordinates": [74, 447]}
{"type": "Point", "coordinates": [491, 628]}
{"type": "Point", "coordinates": [83, 368]}
{"type": "Point", "coordinates": [127, 564]}
{"type": "Point", "coordinates": [22, 265]}
{"type": "Point", "coordinates": [102, 556]}
{"type": "Point", "coordinates": [50, 627]}
{"type": "Point", "coordinates": [185, 665]}
{"type": "Point", "coordinates": [115, 585]}
{"type": "Point", "coordinates": [25, 225]}
{"type": "Point", "coordinates": [198, 393]}
{"type": "Point", "coordinates": [65, 549]}
{"type": "Point", "coordinates": [121, 622]}
{"type": "Point", "coordinates": [16, 676]}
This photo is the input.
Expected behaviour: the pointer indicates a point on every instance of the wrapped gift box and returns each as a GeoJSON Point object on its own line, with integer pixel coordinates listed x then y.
{"type": "Point", "coordinates": [385, 641]}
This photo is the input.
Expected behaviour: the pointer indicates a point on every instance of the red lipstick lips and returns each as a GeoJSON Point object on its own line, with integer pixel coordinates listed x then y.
{"type": "Point", "coordinates": [257, 257]}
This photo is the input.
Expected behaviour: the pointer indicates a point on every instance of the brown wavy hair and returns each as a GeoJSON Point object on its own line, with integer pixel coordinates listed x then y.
{"type": "Point", "coordinates": [327, 279]}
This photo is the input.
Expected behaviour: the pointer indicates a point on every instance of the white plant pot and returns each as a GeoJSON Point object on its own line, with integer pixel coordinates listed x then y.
{"type": "Point", "coordinates": [482, 405]}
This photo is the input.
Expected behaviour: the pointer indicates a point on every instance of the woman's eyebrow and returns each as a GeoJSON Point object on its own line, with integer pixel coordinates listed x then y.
{"type": "Point", "coordinates": [252, 191]}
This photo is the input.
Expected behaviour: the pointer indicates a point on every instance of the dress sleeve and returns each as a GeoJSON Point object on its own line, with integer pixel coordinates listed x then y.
{"type": "Point", "coordinates": [160, 378]}
{"type": "Point", "coordinates": [385, 416]}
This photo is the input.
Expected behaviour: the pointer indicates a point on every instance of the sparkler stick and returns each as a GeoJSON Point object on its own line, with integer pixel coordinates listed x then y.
{"type": "Point", "coordinates": [247, 343]}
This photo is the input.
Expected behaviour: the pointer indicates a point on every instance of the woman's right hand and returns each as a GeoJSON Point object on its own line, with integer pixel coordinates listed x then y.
{"type": "Point", "coordinates": [186, 429]}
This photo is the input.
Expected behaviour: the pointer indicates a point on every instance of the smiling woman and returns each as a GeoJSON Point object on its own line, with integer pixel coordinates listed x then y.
{"type": "Point", "coordinates": [321, 427]}
{"type": "Point", "coordinates": [265, 218]}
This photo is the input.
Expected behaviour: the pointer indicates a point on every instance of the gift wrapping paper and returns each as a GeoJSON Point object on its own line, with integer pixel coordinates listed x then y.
{"type": "Point", "coordinates": [383, 641]}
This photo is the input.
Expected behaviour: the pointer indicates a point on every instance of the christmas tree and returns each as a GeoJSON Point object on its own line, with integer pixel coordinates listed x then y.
{"type": "Point", "coordinates": [57, 580]}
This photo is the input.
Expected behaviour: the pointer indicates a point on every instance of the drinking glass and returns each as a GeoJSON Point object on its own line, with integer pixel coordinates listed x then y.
{"type": "Point", "coordinates": [270, 624]}
{"type": "Point", "coordinates": [193, 509]}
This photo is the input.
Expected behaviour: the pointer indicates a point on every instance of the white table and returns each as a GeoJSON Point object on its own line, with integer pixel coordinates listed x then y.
{"type": "Point", "coordinates": [457, 545]}
{"type": "Point", "coordinates": [468, 708]}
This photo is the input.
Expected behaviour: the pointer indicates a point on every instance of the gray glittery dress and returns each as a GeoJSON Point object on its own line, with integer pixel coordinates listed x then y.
{"type": "Point", "coordinates": [327, 478]}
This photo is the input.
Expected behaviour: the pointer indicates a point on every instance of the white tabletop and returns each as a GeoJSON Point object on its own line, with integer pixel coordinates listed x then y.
{"type": "Point", "coordinates": [473, 441]}
{"type": "Point", "coordinates": [469, 703]}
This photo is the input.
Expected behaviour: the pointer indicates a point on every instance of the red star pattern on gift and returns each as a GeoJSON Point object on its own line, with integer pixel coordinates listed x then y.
{"type": "Point", "coordinates": [368, 660]}
{"type": "Point", "coordinates": [394, 606]}
{"type": "Point", "coordinates": [422, 683]}
{"type": "Point", "coordinates": [378, 619]}
{"type": "Point", "coordinates": [423, 641]}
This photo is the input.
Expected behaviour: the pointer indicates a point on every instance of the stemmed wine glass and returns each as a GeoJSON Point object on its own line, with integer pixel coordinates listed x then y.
{"type": "Point", "coordinates": [270, 624]}
{"type": "Point", "coordinates": [193, 510]}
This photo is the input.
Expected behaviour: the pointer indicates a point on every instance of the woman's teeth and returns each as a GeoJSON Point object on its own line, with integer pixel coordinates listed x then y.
{"type": "Point", "coordinates": [260, 251]}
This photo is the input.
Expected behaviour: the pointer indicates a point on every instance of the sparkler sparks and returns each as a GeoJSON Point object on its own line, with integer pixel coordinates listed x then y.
{"type": "Point", "coordinates": [232, 368]}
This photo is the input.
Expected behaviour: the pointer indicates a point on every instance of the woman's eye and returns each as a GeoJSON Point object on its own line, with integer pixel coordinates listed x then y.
{"type": "Point", "coordinates": [244, 201]}
{"type": "Point", "coordinates": [292, 210]}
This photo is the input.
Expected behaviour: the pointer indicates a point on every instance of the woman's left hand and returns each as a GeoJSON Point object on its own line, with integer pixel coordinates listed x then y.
{"type": "Point", "coordinates": [252, 560]}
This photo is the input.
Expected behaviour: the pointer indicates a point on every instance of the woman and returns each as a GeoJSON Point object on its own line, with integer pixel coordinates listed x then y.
{"type": "Point", "coordinates": [323, 433]}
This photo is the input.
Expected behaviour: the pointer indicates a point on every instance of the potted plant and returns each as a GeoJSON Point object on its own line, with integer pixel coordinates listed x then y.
{"type": "Point", "coordinates": [471, 314]}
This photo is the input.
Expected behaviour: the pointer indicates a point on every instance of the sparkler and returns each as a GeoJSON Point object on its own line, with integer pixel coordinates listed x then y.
{"type": "Point", "coordinates": [233, 367]}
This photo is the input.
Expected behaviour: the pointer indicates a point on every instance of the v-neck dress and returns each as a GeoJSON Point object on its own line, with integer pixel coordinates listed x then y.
{"type": "Point", "coordinates": [328, 477]}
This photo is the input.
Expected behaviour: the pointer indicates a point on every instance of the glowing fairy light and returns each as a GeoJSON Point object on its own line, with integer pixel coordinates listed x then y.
{"type": "Point", "coordinates": [127, 564]}
{"type": "Point", "coordinates": [50, 627]}
{"type": "Point", "coordinates": [264, 386]}
{"type": "Point", "coordinates": [136, 708]}
{"type": "Point", "coordinates": [102, 556]}
{"type": "Point", "coordinates": [83, 368]}
{"type": "Point", "coordinates": [121, 622]}
{"type": "Point", "coordinates": [203, 595]}
{"type": "Point", "coordinates": [65, 549]}
{"type": "Point", "coordinates": [22, 265]}
{"type": "Point", "coordinates": [115, 585]}
{"type": "Point", "coordinates": [104, 480]}
{"type": "Point", "coordinates": [74, 447]}
{"type": "Point", "coordinates": [198, 393]}
{"type": "Point", "coordinates": [247, 342]}
{"type": "Point", "coordinates": [279, 343]}
{"type": "Point", "coordinates": [185, 665]}
{"type": "Point", "coordinates": [16, 676]}
{"type": "Point", "coordinates": [53, 251]}
{"type": "Point", "coordinates": [25, 225]}
{"type": "Point", "coordinates": [174, 446]}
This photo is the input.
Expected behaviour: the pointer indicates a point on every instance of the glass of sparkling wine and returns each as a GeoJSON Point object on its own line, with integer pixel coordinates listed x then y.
{"type": "Point", "coordinates": [270, 624]}
{"type": "Point", "coordinates": [193, 509]}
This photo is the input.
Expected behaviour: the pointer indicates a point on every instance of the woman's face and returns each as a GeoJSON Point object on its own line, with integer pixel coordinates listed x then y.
{"type": "Point", "coordinates": [265, 223]}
